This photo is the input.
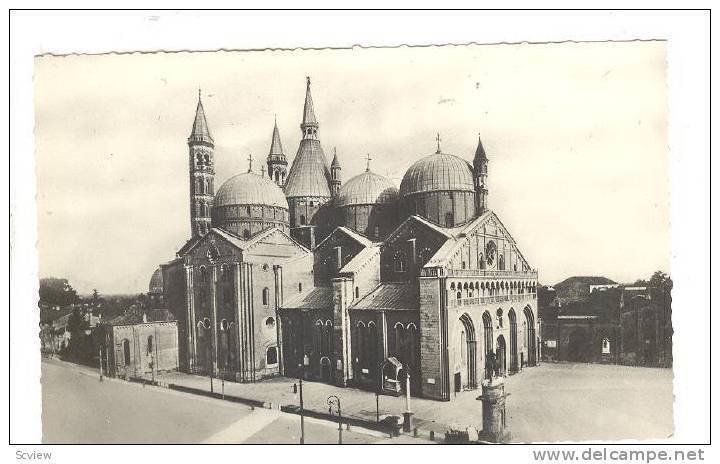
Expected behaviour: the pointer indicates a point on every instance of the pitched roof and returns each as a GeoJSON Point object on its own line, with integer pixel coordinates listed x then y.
{"type": "Point", "coordinates": [315, 298]}
{"type": "Point", "coordinates": [152, 315]}
{"type": "Point", "coordinates": [391, 296]}
{"type": "Point", "coordinates": [237, 241]}
{"type": "Point", "coordinates": [360, 259]}
{"type": "Point", "coordinates": [361, 239]}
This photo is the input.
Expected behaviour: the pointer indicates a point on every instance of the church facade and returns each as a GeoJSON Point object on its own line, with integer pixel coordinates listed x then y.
{"type": "Point", "coordinates": [359, 283]}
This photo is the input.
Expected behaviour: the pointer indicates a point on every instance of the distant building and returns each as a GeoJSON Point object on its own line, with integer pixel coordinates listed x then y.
{"type": "Point", "coordinates": [586, 319]}
{"type": "Point", "coordinates": [136, 345]}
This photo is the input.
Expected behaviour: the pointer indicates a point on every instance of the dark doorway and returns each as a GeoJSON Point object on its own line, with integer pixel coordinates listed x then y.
{"type": "Point", "coordinates": [513, 341]}
{"type": "Point", "coordinates": [578, 349]}
{"type": "Point", "coordinates": [500, 352]}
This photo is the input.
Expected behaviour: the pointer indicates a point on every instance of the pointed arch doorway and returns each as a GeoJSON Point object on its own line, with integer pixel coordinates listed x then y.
{"type": "Point", "coordinates": [468, 354]}
{"type": "Point", "coordinates": [513, 341]}
{"type": "Point", "coordinates": [500, 355]}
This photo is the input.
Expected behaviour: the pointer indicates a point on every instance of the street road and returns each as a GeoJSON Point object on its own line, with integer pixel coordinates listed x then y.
{"type": "Point", "coordinates": [78, 408]}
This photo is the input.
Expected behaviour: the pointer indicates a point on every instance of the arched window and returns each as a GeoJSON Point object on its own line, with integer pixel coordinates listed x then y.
{"type": "Point", "coordinates": [501, 262]}
{"type": "Point", "coordinates": [376, 231]}
{"type": "Point", "coordinates": [606, 346]}
{"type": "Point", "coordinates": [270, 323]}
{"type": "Point", "coordinates": [203, 274]}
{"type": "Point", "coordinates": [246, 234]}
{"type": "Point", "coordinates": [265, 296]}
{"type": "Point", "coordinates": [449, 220]}
{"type": "Point", "coordinates": [126, 352]}
{"type": "Point", "coordinates": [400, 262]}
{"type": "Point", "coordinates": [357, 292]}
{"type": "Point", "coordinates": [482, 261]}
{"type": "Point", "coordinates": [277, 176]}
{"type": "Point", "coordinates": [312, 203]}
{"type": "Point", "coordinates": [299, 287]}
{"type": "Point", "coordinates": [207, 185]}
{"type": "Point", "coordinates": [271, 356]}
{"type": "Point", "coordinates": [225, 273]}
{"type": "Point", "coordinates": [302, 220]}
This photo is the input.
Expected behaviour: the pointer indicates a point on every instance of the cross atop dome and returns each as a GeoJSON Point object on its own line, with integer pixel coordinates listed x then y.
{"type": "Point", "coordinates": [368, 159]}
{"type": "Point", "coordinates": [438, 140]}
{"type": "Point", "coordinates": [250, 160]}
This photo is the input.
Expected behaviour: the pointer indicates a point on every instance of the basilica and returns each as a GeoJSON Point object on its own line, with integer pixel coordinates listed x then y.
{"type": "Point", "coordinates": [294, 272]}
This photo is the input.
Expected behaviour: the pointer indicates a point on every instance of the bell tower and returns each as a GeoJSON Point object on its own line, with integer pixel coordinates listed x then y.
{"type": "Point", "coordinates": [480, 173]}
{"type": "Point", "coordinates": [201, 148]}
{"type": "Point", "coordinates": [276, 160]}
{"type": "Point", "coordinates": [335, 174]}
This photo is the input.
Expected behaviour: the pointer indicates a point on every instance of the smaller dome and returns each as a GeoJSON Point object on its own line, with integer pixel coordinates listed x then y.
{"type": "Point", "coordinates": [367, 188]}
{"type": "Point", "coordinates": [438, 172]}
{"type": "Point", "coordinates": [249, 188]}
{"type": "Point", "coordinates": [156, 282]}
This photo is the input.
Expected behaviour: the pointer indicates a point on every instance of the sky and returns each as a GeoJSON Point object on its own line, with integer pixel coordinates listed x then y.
{"type": "Point", "coordinates": [576, 134]}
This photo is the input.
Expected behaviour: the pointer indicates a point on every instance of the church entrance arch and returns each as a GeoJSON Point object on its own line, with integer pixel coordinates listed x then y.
{"type": "Point", "coordinates": [513, 341]}
{"type": "Point", "coordinates": [578, 348]}
{"type": "Point", "coordinates": [500, 355]}
{"type": "Point", "coordinates": [531, 336]}
{"type": "Point", "coordinates": [468, 354]}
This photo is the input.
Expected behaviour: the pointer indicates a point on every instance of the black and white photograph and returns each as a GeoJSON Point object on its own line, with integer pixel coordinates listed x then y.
{"type": "Point", "coordinates": [417, 244]}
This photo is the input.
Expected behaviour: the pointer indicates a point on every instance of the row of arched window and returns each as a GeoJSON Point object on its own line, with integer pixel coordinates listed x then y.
{"type": "Point", "coordinates": [470, 289]}
{"type": "Point", "coordinates": [204, 186]}
{"type": "Point", "coordinates": [202, 160]}
{"type": "Point", "coordinates": [202, 209]}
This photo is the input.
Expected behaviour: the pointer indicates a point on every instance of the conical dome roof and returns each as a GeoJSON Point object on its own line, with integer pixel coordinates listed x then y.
{"type": "Point", "coordinates": [249, 188]}
{"type": "Point", "coordinates": [156, 282]}
{"type": "Point", "coordinates": [200, 130]}
{"type": "Point", "coordinates": [367, 188]}
{"type": "Point", "coordinates": [438, 172]}
{"type": "Point", "coordinates": [309, 175]}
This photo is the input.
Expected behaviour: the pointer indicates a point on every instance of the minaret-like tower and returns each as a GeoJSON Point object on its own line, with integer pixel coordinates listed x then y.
{"type": "Point", "coordinates": [202, 172]}
{"type": "Point", "coordinates": [480, 173]}
{"type": "Point", "coordinates": [276, 160]}
{"type": "Point", "coordinates": [308, 182]}
{"type": "Point", "coordinates": [335, 174]}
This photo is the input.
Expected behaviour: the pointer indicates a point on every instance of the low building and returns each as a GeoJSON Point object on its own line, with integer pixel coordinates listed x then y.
{"type": "Point", "coordinates": [605, 323]}
{"type": "Point", "coordinates": [138, 345]}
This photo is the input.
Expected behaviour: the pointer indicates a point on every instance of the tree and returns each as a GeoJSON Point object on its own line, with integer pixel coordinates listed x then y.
{"type": "Point", "coordinates": [57, 292]}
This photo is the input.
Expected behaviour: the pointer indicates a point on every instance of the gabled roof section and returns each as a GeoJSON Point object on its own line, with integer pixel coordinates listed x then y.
{"type": "Point", "coordinates": [359, 260]}
{"type": "Point", "coordinates": [361, 239]}
{"type": "Point", "coordinates": [418, 220]}
{"type": "Point", "coordinates": [315, 298]}
{"type": "Point", "coordinates": [391, 296]}
{"type": "Point", "coordinates": [238, 242]}
{"type": "Point", "coordinates": [448, 249]}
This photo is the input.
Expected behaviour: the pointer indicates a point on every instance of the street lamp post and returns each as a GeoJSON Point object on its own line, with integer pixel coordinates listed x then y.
{"type": "Point", "coordinates": [407, 415]}
{"type": "Point", "coordinates": [100, 362]}
{"type": "Point", "coordinates": [305, 364]}
{"type": "Point", "coordinates": [335, 401]}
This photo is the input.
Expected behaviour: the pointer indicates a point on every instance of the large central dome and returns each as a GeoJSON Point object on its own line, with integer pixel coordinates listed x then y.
{"type": "Point", "coordinates": [247, 204]}
{"type": "Point", "coordinates": [250, 189]}
{"type": "Point", "coordinates": [437, 173]}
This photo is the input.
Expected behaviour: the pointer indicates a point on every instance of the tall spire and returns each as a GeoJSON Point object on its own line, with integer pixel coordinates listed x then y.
{"type": "Point", "coordinates": [200, 129]}
{"type": "Point", "coordinates": [309, 125]}
{"type": "Point", "coordinates": [480, 151]}
{"type": "Point", "coordinates": [276, 148]}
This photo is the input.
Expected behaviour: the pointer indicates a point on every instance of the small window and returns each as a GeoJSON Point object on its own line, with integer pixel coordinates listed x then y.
{"type": "Point", "coordinates": [302, 220]}
{"type": "Point", "coordinates": [299, 287]}
{"type": "Point", "coordinates": [126, 351]}
{"type": "Point", "coordinates": [357, 292]}
{"type": "Point", "coordinates": [271, 356]}
{"type": "Point", "coordinates": [247, 210]}
{"type": "Point", "coordinates": [270, 323]}
{"type": "Point", "coordinates": [266, 296]}
{"type": "Point", "coordinates": [312, 204]}
{"type": "Point", "coordinates": [464, 265]}
{"type": "Point", "coordinates": [246, 234]}
{"type": "Point", "coordinates": [449, 220]}
{"type": "Point", "coordinates": [376, 231]}
{"type": "Point", "coordinates": [400, 262]}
